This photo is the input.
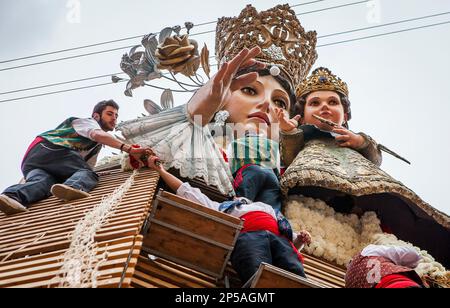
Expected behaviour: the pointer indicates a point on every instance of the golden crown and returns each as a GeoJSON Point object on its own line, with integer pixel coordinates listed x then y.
{"type": "Point", "coordinates": [322, 79]}
{"type": "Point", "coordinates": [277, 31]}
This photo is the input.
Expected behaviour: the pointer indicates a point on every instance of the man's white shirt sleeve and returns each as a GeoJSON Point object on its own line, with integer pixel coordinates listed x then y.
{"type": "Point", "coordinates": [85, 127]}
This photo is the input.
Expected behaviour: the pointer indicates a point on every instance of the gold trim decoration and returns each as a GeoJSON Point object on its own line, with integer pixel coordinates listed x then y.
{"type": "Point", "coordinates": [322, 79]}
{"type": "Point", "coordinates": [277, 31]}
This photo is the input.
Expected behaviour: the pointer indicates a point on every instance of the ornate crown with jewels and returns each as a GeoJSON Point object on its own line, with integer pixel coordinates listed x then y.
{"type": "Point", "coordinates": [277, 31]}
{"type": "Point", "coordinates": [322, 79]}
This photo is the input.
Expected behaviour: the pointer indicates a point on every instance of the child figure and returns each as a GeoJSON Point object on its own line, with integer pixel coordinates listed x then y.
{"type": "Point", "coordinates": [323, 95]}
{"type": "Point", "coordinates": [259, 241]}
{"type": "Point", "coordinates": [340, 167]}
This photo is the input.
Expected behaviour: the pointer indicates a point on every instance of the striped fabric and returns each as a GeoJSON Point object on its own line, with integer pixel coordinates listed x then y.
{"type": "Point", "coordinates": [254, 149]}
{"type": "Point", "coordinates": [66, 136]}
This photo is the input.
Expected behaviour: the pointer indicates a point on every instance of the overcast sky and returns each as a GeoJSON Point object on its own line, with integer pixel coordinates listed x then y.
{"type": "Point", "coordinates": [399, 84]}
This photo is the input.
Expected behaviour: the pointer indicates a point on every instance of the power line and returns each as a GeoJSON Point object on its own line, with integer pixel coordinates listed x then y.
{"type": "Point", "coordinates": [324, 36]}
{"type": "Point", "coordinates": [383, 25]}
{"type": "Point", "coordinates": [120, 40]}
{"type": "Point", "coordinates": [306, 3]}
{"type": "Point", "coordinates": [333, 7]}
{"type": "Point", "coordinates": [384, 34]}
{"type": "Point", "coordinates": [65, 58]}
{"type": "Point", "coordinates": [59, 83]}
{"type": "Point", "coordinates": [127, 47]}
{"type": "Point", "coordinates": [70, 49]}
{"type": "Point", "coordinates": [62, 91]}
{"type": "Point", "coordinates": [330, 44]}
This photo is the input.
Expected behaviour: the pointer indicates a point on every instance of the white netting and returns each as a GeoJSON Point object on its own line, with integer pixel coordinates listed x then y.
{"type": "Point", "coordinates": [338, 237]}
{"type": "Point", "coordinates": [81, 261]}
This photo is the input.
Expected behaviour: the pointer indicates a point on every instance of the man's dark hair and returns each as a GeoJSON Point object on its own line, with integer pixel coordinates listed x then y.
{"type": "Point", "coordinates": [102, 106]}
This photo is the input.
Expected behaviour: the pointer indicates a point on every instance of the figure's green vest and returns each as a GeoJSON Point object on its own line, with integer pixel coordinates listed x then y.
{"type": "Point", "coordinates": [66, 136]}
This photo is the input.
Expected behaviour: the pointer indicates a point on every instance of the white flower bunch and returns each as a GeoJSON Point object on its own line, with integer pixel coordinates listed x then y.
{"type": "Point", "coordinates": [338, 238]}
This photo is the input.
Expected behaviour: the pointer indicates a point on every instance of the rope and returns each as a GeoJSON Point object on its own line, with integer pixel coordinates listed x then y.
{"type": "Point", "coordinates": [81, 263]}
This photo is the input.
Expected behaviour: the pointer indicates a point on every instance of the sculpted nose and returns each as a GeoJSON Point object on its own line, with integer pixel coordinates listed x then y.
{"type": "Point", "coordinates": [264, 106]}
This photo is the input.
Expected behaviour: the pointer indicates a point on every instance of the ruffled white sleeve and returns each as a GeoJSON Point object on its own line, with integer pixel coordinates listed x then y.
{"type": "Point", "coordinates": [183, 145]}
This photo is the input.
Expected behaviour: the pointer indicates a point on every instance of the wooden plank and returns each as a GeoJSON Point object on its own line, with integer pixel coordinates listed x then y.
{"type": "Point", "coordinates": [62, 212]}
{"type": "Point", "coordinates": [327, 280]}
{"type": "Point", "coordinates": [137, 283]}
{"type": "Point", "coordinates": [181, 247]}
{"type": "Point", "coordinates": [323, 274]}
{"type": "Point", "coordinates": [41, 260]}
{"type": "Point", "coordinates": [324, 279]}
{"type": "Point", "coordinates": [101, 246]}
{"type": "Point", "coordinates": [269, 276]}
{"type": "Point", "coordinates": [177, 268]}
{"type": "Point", "coordinates": [325, 263]}
{"type": "Point", "coordinates": [52, 245]}
{"type": "Point", "coordinates": [51, 279]}
{"type": "Point", "coordinates": [65, 229]}
{"type": "Point", "coordinates": [72, 216]}
{"type": "Point", "coordinates": [110, 263]}
{"type": "Point", "coordinates": [116, 234]}
{"type": "Point", "coordinates": [171, 275]}
{"type": "Point", "coordinates": [50, 272]}
{"type": "Point", "coordinates": [158, 283]}
{"type": "Point", "coordinates": [56, 205]}
{"type": "Point", "coordinates": [51, 237]}
{"type": "Point", "coordinates": [138, 201]}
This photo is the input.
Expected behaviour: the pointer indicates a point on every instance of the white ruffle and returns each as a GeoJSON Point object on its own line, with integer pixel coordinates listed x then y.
{"type": "Point", "coordinates": [181, 144]}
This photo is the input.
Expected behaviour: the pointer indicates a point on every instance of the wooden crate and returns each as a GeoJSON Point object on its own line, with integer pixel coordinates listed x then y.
{"type": "Point", "coordinates": [190, 234]}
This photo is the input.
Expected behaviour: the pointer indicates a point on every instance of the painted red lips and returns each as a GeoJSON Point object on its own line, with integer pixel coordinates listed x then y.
{"type": "Point", "coordinates": [260, 115]}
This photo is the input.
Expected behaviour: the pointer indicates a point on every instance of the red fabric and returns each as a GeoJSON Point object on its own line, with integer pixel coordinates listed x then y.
{"type": "Point", "coordinates": [239, 178]}
{"type": "Point", "coordinates": [134, 162]}
{"type": "Point", "coordinates": [299, 255]}
{"type": "Point", "coordinates": [386, 229]}
{"type": "Point", "coordinates": [396, 281]}
{"type": "Point", "coordinates": [282, 171]}
{"type": "Point", "coordinates": [257, 221]}
{"type": "Point", "coordinates": [224, 154]}
{"type": "Point", "coordinates": [31, 146]}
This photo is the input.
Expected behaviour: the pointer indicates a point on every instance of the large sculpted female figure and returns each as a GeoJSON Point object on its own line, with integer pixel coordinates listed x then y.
{"type": "Point", "coordinates": [263, 57]}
